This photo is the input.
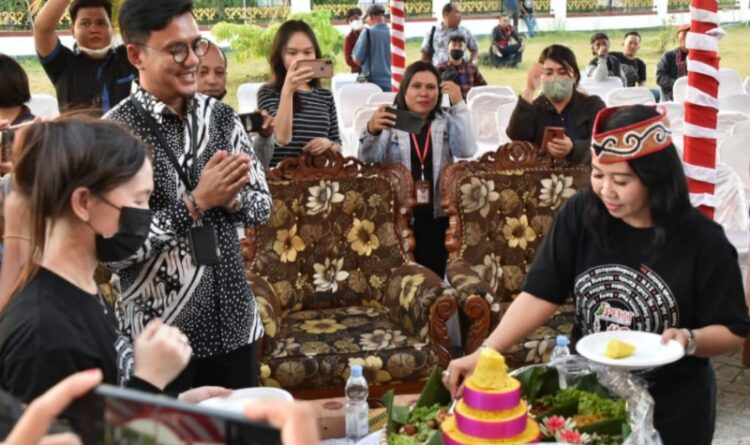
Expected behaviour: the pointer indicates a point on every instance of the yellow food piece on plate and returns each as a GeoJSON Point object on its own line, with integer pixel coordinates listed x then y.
{"type": "Point", "coordinates": [619, 349]}
{"type": "Point", "coordinates": [491, 372]}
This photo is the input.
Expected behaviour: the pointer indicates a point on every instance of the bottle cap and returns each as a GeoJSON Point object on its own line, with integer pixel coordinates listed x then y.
{"type": "Point", "coordinates": [356, 370]}
{"type": "Point", "coordinates": [562, 340]}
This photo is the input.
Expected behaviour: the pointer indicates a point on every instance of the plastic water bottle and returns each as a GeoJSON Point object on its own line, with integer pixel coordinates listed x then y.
{"type": "Point", "coordinates": [559, 357]}
{"type": "Point", "coordinates": [357, 424]}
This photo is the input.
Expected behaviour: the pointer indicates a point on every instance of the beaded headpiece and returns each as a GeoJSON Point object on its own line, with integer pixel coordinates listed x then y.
{"type": "Point", "coordinates": [633, 141]}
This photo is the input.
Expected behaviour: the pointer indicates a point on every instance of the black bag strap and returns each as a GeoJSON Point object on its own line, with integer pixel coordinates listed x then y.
{"type": "Point", "coordinates": [431, 50]}
{"type": "Point", "coordinates": [369, 49]}
{"type": "Point", "coordinates": [154, 127]}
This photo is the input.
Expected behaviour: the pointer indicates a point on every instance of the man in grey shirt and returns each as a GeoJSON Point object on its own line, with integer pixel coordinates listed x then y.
{"type": "Point", "coordinates": [435, 44]}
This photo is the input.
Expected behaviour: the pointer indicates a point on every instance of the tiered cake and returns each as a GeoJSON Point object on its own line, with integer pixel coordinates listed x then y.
{"type": "Point", "coordinates": [491, 411]}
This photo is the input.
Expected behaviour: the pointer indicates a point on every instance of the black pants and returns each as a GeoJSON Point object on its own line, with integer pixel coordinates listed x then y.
{"type": "Point", "coordinates": [429, 234]}
{"type": "Point", "coordinates": [685, 405]}
{"type": "Point", "coordinates": [234, 370]}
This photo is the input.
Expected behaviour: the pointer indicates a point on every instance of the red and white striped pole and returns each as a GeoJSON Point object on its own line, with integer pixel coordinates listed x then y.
{"type": "Point", "coordinates": [702, 103]}
{"type": "Point", "coordinates": [398, 48]}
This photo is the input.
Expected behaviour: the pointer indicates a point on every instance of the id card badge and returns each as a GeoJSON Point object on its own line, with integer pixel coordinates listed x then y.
{"type": "Point", "coordinates": [204, 246]}
{"type": "Point", "coordinates": [423, 190]}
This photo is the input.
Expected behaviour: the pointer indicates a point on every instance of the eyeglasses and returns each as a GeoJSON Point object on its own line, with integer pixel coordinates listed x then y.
{"type": "Point", "coordinates": [181, 51]}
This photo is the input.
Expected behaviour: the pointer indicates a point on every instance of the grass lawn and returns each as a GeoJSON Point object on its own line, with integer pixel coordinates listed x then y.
{"type": "Point", "coordinates": [732, 51]}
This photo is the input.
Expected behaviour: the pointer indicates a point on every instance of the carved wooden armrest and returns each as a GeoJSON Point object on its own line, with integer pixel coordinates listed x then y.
{"type": "Point", "coordinates": [268, 307]}
{"type": "Point", "coordinates": [422, 303]}
{"type": "Point", "coordinates": [479, 306]}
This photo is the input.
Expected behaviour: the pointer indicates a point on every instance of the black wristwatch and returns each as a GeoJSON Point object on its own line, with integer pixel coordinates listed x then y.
{"type": "Point", "coordinates": [691, 343]}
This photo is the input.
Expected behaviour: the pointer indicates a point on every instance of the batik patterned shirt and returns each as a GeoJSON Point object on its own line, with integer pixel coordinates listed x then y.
{"type": "Point", "coordinates": [213, 305]}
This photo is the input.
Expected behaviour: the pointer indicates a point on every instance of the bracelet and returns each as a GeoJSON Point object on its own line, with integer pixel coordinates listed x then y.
{"type": "Point", "coordinates": [692, 344]}
{"type": "Point", "coordinates": [23, 237]}
{"type": "Point", "coordinates": [197, 208]}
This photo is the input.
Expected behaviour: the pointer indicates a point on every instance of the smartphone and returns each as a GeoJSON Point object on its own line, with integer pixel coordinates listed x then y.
{"type": "Point", "coordinates": [253, 122]}
{"type": "Point", "coordinates": [6, 141]}
{"type": "Point", "coordinates": [551, 133]}
{"type": "Point", "coordinates": [406, 120]}
{"type": "Point", "coordinates": [321, 68]}
{"type": "Point", "coordinates": [112, 415]}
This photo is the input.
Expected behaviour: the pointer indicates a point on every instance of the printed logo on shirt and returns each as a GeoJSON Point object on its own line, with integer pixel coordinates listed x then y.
{"type": "Point", "coordinates": [615, 297]}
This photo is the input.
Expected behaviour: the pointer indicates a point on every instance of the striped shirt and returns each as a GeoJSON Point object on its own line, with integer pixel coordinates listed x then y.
{"type": "Point", "coordinates": [317, 118]}
{"type": "Point", "coordinates": [213, 305]}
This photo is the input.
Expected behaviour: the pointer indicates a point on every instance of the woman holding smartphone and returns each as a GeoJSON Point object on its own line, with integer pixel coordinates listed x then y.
{"type": "Point", "coordinates": [560, 119]}
{"type": "Point", "coordinates": [90, 203]}
{"type": "Point", "coordinates": [444, 135]}
{"type": "Point", "coordinates": [304, 114]}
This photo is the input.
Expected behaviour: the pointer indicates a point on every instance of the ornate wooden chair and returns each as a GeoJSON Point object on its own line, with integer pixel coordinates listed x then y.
{"type": "Point", "coordinates": [500, 207]}
{"type": "Point", "coordinates": [335, 281]}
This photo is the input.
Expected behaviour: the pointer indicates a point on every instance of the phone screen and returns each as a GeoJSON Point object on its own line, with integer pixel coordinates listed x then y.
{"type": "Point", "coordinates": [253, 122]}
{"type": "Point", "coordinates": [114, 420]}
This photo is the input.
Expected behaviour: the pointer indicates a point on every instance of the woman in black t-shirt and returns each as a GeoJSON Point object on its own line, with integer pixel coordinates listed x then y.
{"type": "Point", "coordinates": [87, 185]}
{"type": "Point", "coordinates": [637, 256]}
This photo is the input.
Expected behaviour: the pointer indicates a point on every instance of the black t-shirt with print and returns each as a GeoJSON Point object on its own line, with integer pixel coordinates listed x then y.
{"type": "Point", "coordinates": [84, 82]}
{"type": "Point", "coordinates": [633, 69]}
{"type": "Point", "coordinates": [50, 330]}
{"type": "Point", "coordinates": [692, 281]}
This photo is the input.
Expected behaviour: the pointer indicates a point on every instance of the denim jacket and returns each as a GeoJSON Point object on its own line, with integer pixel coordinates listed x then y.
{"type": "Point", "coordinates": [451, 130]}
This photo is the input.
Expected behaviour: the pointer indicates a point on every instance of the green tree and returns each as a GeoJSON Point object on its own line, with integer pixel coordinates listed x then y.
{"type": "Point", "coordinates": [249, 41]}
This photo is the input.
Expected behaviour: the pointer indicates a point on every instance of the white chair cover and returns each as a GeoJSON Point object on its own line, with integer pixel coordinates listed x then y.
{"type": "Point", "coordinates": [351, 96]}
{"type": "Point", "coordinates": [500, 90]}
{"type": "Point", "coordinates": [730, 82]}
{"type": "Point", "coordinates": [741, 127]}
{"type": "Point", "coordinates": [735, 153]}
{"type": "Point", "coordinates": [350, 136]}
{"type": "Point", "coordinates": [43, 105]}
{"type": "Point", "coordinates": [629, 96]}
{"type": "Point", "coordinates": [674, 110]}
{"type": "Point", "coordinates": [340, 80]}
{"type": "Point", "coordinates": [736, 102]}
{"type": "Point", "coordinates": [600, 87]}
{"type": "Point", "coordinates": [483, 108]}
{"type": "Point", "coordinates": [679, 90]}
{"type": "Point", "coordinates": [247, 97]}
{"type": "Point", "coordinates": [382, 97]}
{"type": "Point", "coordinates": [502, 119]}
{"type": "Point", "coordinates": [732, 210]}
{"type": "Point", "coordinates": [746, 85]}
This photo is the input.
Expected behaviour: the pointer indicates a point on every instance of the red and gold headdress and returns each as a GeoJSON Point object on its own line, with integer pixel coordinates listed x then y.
{"type": "Point", "coordinates": [634, 141]}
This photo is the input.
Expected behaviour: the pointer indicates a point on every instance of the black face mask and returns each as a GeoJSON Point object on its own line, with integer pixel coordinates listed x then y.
{"type": "Point", "coordinates": [133, 228]}
{"type": "Point", "coordinates": [457, 54]}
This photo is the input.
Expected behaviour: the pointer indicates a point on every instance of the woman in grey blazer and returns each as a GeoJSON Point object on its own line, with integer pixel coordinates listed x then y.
{"type": "Point", "coordinates": [444, 135]}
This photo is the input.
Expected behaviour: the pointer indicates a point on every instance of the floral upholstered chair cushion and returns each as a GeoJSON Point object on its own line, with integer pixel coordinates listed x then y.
{"type": "Point", "coordinates": [334, 280]}
{"type": "Point", "coordinates": [502, 206]}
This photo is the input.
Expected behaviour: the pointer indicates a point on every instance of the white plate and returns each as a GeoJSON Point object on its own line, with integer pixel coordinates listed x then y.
{"type": "Point", "coordinates": [649, 350]}
{"type": "Point", "coordinates": [240, 397]}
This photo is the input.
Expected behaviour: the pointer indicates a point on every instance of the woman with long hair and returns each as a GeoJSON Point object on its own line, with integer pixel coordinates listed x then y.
{"type": "Point", "coordinates": [637, 256]}
{"type": "Point", "coordinates": [444, 136]}
{"type": "Point", "coordinates": [87, 185]}
{"type": "Point", "coordinates": [304, 114]}
{"type": "Point", "coordinates": [560, 104]}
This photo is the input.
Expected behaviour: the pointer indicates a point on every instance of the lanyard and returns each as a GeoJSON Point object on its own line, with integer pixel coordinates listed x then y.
{"type": "Point", "coordinates": [193, 128]}
{"type": "Point", "coordinates": [422, 155]}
